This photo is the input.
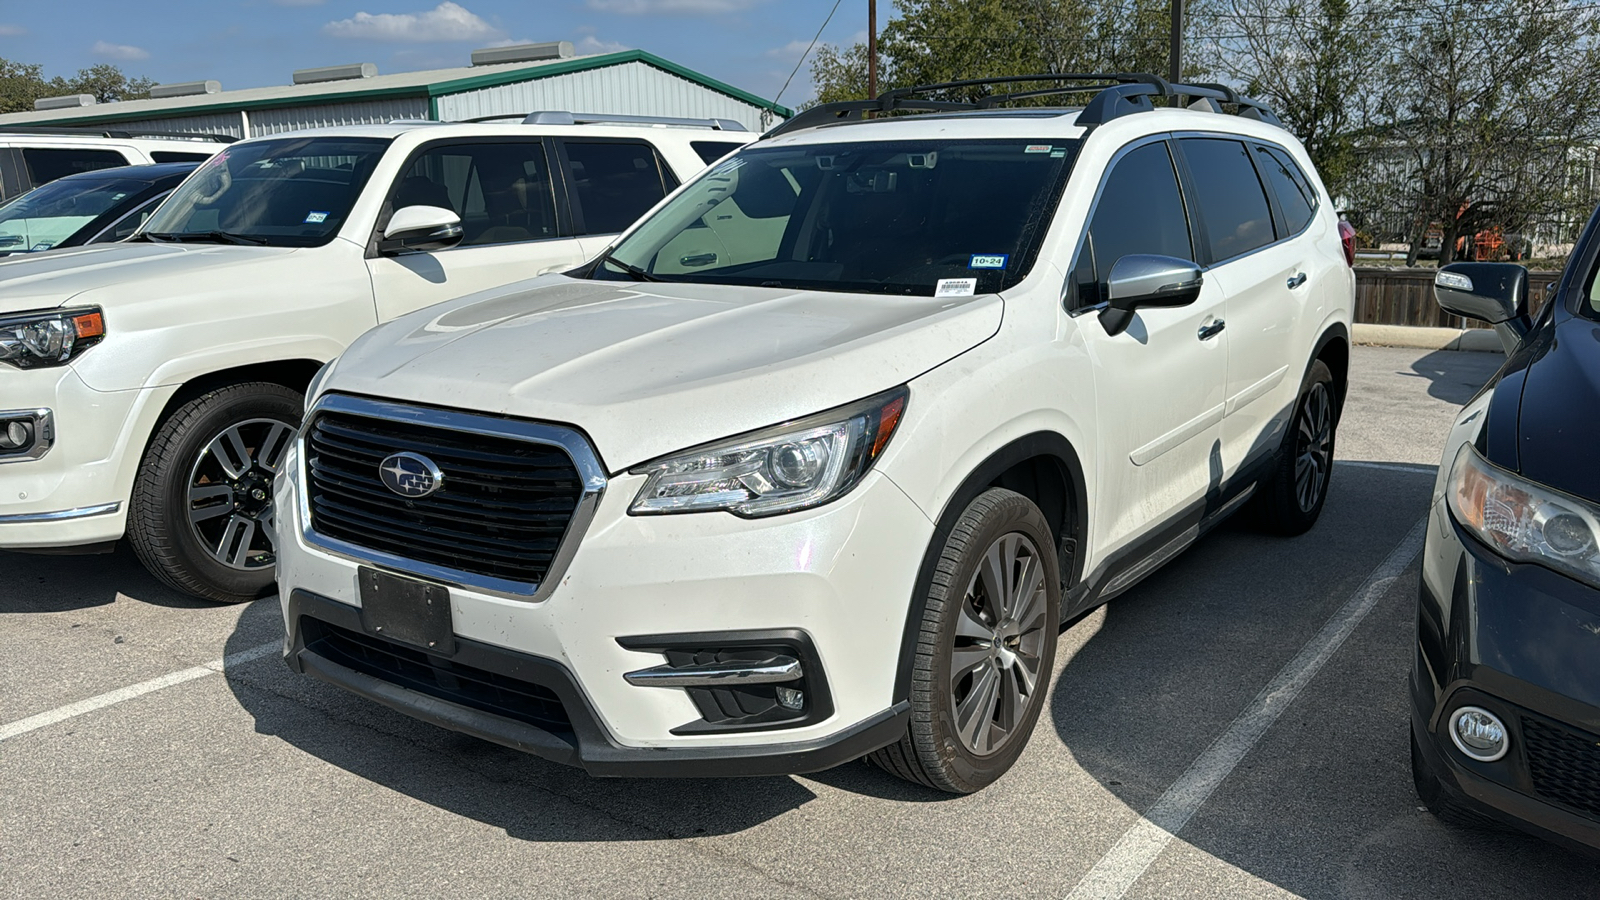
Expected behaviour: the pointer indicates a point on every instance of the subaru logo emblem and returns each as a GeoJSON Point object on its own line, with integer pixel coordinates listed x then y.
{"type": "Point", "coordinates": [410, 475]}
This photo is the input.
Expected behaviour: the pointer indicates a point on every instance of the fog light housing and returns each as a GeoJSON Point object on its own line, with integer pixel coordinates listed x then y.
{"type": "Point", "coordinates": [25, 434]}
{"type": "Point", "coordinates": [1479, 733]}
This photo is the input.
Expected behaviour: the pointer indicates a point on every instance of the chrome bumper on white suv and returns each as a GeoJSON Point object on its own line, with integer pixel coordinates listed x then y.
{"type": "Point", "coordinates": [691, 644]}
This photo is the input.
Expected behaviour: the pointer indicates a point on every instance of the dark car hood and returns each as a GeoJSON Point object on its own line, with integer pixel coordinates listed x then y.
{"type": "Point", "coordinates": [1558, 425]}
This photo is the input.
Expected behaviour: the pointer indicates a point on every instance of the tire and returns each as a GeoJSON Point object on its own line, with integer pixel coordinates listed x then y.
{"type": "Point", "coordinates": [957, 629]}
{"type": "Point", "coordinates": [1439, 801]}
{"type": "Point", "coordinates": [1286, 504]}
{"type": "Point", "coordinates": [201, 514]}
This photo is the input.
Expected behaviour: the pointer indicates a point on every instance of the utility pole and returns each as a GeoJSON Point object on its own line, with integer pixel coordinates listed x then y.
{"type": "Point", "coordinates": [1175, 53]}
{"type": "Point", "coordinates": [872, 49]}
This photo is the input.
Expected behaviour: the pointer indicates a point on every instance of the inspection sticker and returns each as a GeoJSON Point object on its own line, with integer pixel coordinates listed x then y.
{"type": "Point", "coordinates": [988, 261]}
{"type": "Point", "coordinates": [956, 287]}
{"type": "Point", "coordinates": [1037, 148]}
{"type": "Point", "coordinates": [316, 218]}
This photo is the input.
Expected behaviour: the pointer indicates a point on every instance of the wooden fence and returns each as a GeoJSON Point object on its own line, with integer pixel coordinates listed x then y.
{"type": "Point", "coordinates": [1405, 297]}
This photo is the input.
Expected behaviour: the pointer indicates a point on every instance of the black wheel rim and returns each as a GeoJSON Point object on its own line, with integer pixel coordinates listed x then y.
{"type": "Point", "coordinates": [230, 492]}
{"type": "Point", "coordinates": [996, 656]}
{"type": "Point", "coordinates": [1313, 446]}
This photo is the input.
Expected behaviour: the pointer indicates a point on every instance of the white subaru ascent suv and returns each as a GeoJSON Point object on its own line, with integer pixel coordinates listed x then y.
{"type": "Point", "coordinates": [814, 460]}
{"type": "Point", "coordinates": [150, 388]}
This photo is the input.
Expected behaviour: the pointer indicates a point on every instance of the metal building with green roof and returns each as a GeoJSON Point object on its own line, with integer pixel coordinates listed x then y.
{"type": "Point", "coordinates": [503, 81]}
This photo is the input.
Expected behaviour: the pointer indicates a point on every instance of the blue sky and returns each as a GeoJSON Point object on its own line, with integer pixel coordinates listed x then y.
{"type": "Point", "coordinates": [752, 44]}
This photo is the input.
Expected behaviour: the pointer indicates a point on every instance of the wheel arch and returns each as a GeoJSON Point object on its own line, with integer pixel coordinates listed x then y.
{"type": "Point", "coordinates": [1042, 466]}
{"type": "Point", "coordinates": [1333, 348]}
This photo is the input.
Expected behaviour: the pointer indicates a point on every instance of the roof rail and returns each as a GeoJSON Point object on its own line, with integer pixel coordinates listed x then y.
{"type": "Point", "coordinates": [559, 117]}
{"type": "Point", "coordinates": [1116, 94]}
{"type": "Point", "coordinates": [116, 133]}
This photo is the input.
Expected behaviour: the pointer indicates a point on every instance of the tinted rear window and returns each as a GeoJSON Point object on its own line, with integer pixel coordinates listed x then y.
{"type": "Point", "coordinates": [166, 156]}
{"type": "Point", "coordinates": [711, 151]}
{"type": "Point", "coordinates": [1295, 196]}
{"type": "Point", "coordinates": [46, 164]}
{"type": "Point", "coordinates": [1231, 201]}
{"type": "Point", "coordinates": [616, 182]}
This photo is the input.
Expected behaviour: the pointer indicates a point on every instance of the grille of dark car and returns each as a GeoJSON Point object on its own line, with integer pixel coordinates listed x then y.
{"type": "Point", "coordinates": [1564, 764]}
{"type": "Point", "coordinates": [488, 691]}
{"type": "Point", "coordinates": [502, 511]}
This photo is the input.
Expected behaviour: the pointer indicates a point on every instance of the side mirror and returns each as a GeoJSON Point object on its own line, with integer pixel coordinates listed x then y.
{"type": "Point", "coordinates": [414, 228]}
{"type": "Point", "coordinates": [1141, 279]}
{"type": "Point", "coordinates": [1496, 293]}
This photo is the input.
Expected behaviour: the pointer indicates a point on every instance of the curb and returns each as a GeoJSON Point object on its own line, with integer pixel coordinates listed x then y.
{"type": "Point", "coordinates": [1481, 340]}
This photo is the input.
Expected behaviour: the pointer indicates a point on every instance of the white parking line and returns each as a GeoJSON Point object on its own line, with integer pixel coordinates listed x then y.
{"type": "Point", "coordinates": [1122, 865]}
{"type": "Point", "coordinates": [1389, 467]}
{"type": "Point", "coordinates": [112, 698]}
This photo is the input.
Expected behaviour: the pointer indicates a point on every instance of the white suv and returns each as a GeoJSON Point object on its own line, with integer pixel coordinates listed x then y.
{"type": "Point", "coordinates": [151, 387]}
{"type": "Point", "coordinates": [815, 459]}
{"type": "Point", "coordinates": [30, 157]}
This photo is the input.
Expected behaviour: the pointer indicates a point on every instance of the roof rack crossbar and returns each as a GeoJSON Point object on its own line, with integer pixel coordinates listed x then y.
{"type": "Point", "coordinates": [562, 117]}
{"type": "Point", "coordinates": [1116, 94]}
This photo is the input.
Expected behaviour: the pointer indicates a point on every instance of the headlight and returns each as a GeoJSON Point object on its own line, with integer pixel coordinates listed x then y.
{"type": "Point", "coordinates": [789, 467]}
{"type": "Point", "coordinates": [49, 338]}
{"type": "Point", "coordinates": [1523, 521]}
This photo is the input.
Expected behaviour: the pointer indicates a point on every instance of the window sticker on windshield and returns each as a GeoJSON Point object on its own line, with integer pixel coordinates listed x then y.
{"type": "Point", "coordinates": [956, 287]}
{"type": "Point", "coordinates": [1037, 148]}
{"type": "Point", "coordinates": [316, 218]}
{"type": "Point", "coordinates": [988, 261]}
{"type": "Point", "coordinates": [42, 245]}
{"type": "Point", "coordinates": [1057, 154]}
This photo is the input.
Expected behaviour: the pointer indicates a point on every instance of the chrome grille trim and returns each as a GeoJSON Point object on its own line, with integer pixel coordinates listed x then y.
{"type": "Point", "coordinates": [591, 473]}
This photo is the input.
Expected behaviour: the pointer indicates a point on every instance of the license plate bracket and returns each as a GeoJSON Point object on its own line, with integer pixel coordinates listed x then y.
{"type": "Point", "coordinates": [406, 610]}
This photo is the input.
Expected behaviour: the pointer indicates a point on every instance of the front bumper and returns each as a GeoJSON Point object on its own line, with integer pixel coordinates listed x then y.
{"type": "Point", "coordinates": [1523, 643]}
{"type": "Point", "coordinates": [77, 493]}
{"type": "Point", "coordinates": [841, 576]}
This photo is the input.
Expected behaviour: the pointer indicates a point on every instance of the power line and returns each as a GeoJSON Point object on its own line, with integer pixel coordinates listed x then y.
{"type": "Point", "coordinates": [803, 56]}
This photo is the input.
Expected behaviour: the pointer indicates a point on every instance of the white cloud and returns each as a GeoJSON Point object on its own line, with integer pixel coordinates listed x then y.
{"type": "Point", "coordinates": [446, 22]}
{"type": "Point", "coordinates": [124, 52]}
{"type": "Point", "coordinates": [591, 45]}
{"type": "Point", "coordinates": [12, 31]}
{"type": "Point", "coordinates": [790, 51]}
{"type": "Point", "coordinates": [670, 7]}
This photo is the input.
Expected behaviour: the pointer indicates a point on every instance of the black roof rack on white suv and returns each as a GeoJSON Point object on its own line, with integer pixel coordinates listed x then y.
{"type": "Point", "coordinates": [1116, 94]}
{"type": "Point", "coordinates": [123, 134]}
{"type": "Point", "coordinates": [561, 117]}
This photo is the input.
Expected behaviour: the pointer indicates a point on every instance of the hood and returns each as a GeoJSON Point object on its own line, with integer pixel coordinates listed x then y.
{"type": "Point", "coordinates": [1558, 426]}
{"type": "Point", "coordinates": [45, 280]}
{"type": "Point", "coordinates": [647, 369]}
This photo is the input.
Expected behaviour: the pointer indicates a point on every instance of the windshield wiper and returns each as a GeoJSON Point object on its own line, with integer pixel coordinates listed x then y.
{"type": "Point", "coordinates": [207, 237]}
{"type": "Point", "coordinates": [637, 273]}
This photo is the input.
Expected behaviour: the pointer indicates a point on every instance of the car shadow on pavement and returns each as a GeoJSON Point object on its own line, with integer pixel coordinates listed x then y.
{"type": "Point", "coordinates": [1323, 804]}
{"type": "Point", "coordinates": [1455, 376]}
{"type": "Point", "coordinates": [529, 798]}
{"type": "Point", "coordinates": [48, 583]}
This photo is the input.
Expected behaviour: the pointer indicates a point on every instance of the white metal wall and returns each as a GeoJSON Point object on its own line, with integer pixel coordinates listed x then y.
{"type": "Point", "coordinates": [216, 123]}
{"type": "Point", "coordinates": [362, 112]}
{"type": "Point", "coordinates": [634, 89]}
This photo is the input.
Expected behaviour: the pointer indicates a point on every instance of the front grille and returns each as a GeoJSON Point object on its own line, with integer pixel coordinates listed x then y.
{"type": "Point", "coordinates": [1564, 764]}
{"type": "Point", "coordinates": [502, 511]}
{"type": "Point", "coordinates": [450, 681]}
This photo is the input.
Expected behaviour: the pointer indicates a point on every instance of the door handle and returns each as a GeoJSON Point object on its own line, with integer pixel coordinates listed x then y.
{"type": "Point", "coordinates": [1211, 329]}
{"type": "Point", "coordinates": [1297, 280]}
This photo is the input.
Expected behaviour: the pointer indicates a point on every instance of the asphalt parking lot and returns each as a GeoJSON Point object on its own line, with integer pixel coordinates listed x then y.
{"type": "Point", "coordinates": [154, 746]}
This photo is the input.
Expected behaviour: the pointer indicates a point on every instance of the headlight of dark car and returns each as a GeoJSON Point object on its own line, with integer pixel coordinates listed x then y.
{"type": "Point", "coordinates": [1523, 521]}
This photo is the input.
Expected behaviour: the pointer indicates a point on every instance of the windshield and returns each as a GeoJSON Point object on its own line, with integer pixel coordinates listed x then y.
{"type": "Point", "coordinates": [923, 218]}
{"type": "Point", "coordinates": [49, 216]}
{"type": "Point", "coordinates": [293, 192]}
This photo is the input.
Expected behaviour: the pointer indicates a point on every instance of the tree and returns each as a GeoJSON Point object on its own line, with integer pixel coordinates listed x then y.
{"type": "Point", "coordinates": [1488, 102]}
{"type": "Point", "coordinates": [934, 41]}
{"type": "Point", "coordinates": [23, 83]}
{"type": "Point", "coordinates": [1311, 61]}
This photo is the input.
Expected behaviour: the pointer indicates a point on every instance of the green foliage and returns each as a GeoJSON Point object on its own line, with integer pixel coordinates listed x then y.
{"type": "Point", "coordinates": [23, 83]}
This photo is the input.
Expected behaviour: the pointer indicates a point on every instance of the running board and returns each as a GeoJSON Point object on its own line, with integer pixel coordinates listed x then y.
{"type": "Point", "coordinates": [1136, 573]}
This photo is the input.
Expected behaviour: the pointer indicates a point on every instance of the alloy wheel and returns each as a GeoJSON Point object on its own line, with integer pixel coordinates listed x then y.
{"type": "Point", "coordinates": [1313, 446]}
{"type": "Point", "coordinates": [1000, 634]}
{"type": "Point", "coordinates": [230, 492]}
